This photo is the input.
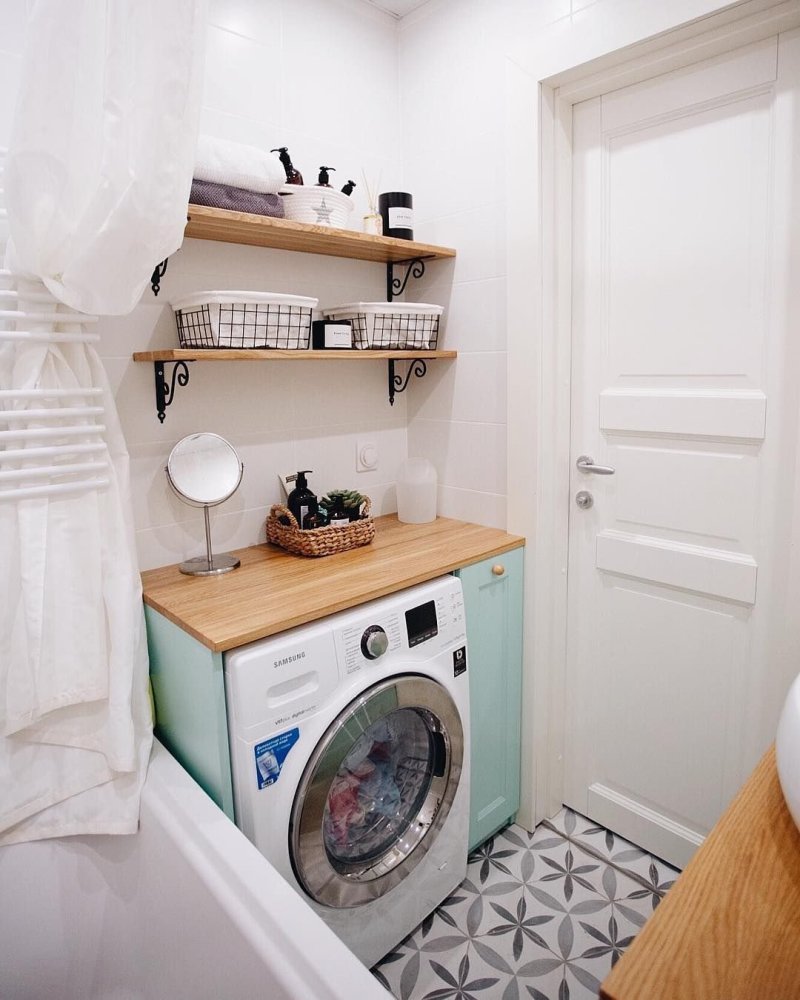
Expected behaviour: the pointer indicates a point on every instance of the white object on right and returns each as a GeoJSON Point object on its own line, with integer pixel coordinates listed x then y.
{"type": "Point", "coordinates": [416, 491]}
{"type": "Point", "coordinates": [787, 750]}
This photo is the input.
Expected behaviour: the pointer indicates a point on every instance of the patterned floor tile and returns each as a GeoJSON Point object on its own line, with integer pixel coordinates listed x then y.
{"type": "Point", "coordinates": [620, 853]}
{"type": "Point", "coordinates": [542, 916]}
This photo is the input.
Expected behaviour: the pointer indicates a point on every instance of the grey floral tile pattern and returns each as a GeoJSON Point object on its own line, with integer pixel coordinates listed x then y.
{"type": "Point", "coordinates": [543, 916]}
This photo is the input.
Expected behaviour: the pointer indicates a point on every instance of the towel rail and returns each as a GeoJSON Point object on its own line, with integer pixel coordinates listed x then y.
{"type": "Point", "coordinates": [40, 471]}
{"type": "Point", "coordinates": [14, 394]}
{"type": "Point", "coordinates": [68, 318]}
{"type": "Point", "coordinates": [58, 413]}
{"type": "Point", "coordinates": [38, 433]}
{"type": "Point", "coordinates": [45, 337]}
{"type": "Point", "coordinates": [53, 490]}
{"type": "Point", "coordinates": [51, 451]}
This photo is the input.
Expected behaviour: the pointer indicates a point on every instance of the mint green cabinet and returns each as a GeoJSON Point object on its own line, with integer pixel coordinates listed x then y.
{"type": "Point", "coordinates": [189, 694]}
{"type": "Point", "coordinates": [493, 607]}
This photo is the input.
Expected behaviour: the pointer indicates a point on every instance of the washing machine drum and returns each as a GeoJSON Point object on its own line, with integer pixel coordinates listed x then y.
{"type": "Point", "coordinates": [377, 791]}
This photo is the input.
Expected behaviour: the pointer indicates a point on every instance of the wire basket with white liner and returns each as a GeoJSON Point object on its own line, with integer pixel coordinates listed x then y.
{"type": "Point", "coordinates": [319, 206]}
{"type": "Point", "coordinates": [238, 319]}
{"type": "Point", "coordinates": [412, 326]}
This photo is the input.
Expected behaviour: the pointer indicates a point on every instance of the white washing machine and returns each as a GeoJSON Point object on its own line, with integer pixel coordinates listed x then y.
{"type": "Point", "coordinates": [350, 755]}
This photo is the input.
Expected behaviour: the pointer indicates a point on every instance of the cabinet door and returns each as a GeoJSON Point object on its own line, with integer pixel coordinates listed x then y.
{"type": "Point", "coordinates": [493, 606]}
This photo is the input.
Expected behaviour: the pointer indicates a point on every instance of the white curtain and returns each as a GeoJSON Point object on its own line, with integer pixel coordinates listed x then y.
{"type": "Point", "coordinates": [97, 180]}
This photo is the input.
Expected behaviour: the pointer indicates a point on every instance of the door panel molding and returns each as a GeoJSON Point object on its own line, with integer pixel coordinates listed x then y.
{"type": "Point", "coordinates": [656, 99]}
{"type": "Point", "coordinates": [703, 570]}
{"type": "Point", "coordinates": [688, 412]}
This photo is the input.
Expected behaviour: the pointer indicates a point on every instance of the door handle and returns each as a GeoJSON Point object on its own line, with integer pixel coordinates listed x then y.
{"type": "Point", "coordinates": [586, 464]}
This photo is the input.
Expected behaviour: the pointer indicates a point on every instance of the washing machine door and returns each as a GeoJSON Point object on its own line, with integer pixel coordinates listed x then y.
{"type": "Point", "coordinates": [376, 791]}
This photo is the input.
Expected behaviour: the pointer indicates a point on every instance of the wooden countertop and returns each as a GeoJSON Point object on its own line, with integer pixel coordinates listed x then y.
{"type": "Point", "coordinates": [730, 927]}
{"type": "Point", "coordinates": [274, 590]}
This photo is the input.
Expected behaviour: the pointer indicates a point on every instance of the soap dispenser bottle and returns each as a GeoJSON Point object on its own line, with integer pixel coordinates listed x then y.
{"type": "Point", "coordinates": [324, 179]}
{"type": "Point", "coordinates": [293, 176]}
{"type": "Point", "coordinates": [301, 501]}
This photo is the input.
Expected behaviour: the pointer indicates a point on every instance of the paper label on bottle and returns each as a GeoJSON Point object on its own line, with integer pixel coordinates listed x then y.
{"type": "Point", "coordinates": [401, 218]}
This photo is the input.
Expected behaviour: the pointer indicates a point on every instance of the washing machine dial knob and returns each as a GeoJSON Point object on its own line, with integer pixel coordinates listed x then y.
{"type": "Point", "coordinates": [374, 642]}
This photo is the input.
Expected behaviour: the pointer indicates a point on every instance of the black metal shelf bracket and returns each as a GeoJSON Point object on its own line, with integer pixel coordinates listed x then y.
{"type": "Point", "coordinates": [158, 273]}
{"type": "Point", "coordinates": [165, 391]}
{"type": "Point", "coordinates": [415, 268]}
{"type": "Point", "coordinates": [397, 383]}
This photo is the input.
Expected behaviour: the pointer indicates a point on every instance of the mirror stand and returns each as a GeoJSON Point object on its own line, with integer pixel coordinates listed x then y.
{"type": "Point", "coordinates": [209, 565]}
{"type": "Point", "coordinates": [204, 471]}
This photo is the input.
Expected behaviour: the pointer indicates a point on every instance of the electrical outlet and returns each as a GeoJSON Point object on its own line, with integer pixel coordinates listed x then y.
{"type": "Point", "coordinates": [366, 456]}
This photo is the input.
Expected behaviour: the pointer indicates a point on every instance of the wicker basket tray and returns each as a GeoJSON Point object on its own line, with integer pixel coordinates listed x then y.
{"type": "Point", "coordinates": [318, 541]}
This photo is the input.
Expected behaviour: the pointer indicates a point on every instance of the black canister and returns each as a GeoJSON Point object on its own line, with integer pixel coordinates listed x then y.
{"type": "Point", "coordinates": [397, 212]}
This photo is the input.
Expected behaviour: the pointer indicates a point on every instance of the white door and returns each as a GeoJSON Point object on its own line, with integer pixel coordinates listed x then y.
{"type": "Point", "coordinates": [683, 575]}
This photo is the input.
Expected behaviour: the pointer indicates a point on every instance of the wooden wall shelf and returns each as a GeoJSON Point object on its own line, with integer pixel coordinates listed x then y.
{"type": "Point", "coordinates": [281, 234]}
{"type": "Point", "coordinates": [179, 357]}
{"type": "Point", "coordinates": [259, 354]}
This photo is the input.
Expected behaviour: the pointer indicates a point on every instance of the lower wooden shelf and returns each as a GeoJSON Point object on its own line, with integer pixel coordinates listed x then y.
{"type": "Point", "coordinates": [180, 357]}
{"type": "Point", "coordinates": [270, 354]}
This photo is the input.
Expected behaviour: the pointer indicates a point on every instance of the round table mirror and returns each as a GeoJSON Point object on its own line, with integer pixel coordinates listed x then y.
{"type": "Point", "coordinates": [204, 470]}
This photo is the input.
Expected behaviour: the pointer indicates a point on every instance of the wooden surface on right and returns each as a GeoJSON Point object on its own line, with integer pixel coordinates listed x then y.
{"type": "Point", "coordinates": [729, 929]}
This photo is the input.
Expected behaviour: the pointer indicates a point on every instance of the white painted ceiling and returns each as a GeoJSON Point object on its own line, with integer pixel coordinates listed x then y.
{"type": "Point", "coordinates": [397, 7]}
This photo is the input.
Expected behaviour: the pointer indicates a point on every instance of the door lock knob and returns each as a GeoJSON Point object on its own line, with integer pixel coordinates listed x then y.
{"type": "Point", "coordinates": [584, 499]}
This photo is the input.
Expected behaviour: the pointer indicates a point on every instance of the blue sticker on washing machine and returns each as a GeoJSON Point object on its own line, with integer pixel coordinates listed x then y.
{"type": "Point", "coordinates": [271, 754]}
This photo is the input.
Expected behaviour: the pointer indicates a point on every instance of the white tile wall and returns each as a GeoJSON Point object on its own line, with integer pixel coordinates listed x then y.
{"type": "Point", "coordinates": [321, 78]}
{"type": "Point", "coordinates": [420, 104]}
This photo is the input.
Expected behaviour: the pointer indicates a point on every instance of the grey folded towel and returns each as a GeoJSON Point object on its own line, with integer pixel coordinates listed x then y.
{"type": "Point", "coordinates": [235, 199]}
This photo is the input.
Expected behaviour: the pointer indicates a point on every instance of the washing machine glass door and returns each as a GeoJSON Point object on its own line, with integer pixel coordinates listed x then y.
{"type": "Point", "coordinates": [376, 791]}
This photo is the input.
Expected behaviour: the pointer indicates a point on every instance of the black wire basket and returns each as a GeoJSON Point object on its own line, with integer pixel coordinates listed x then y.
{"type": "Point", "coordinates": [399, 326]}
{"type": "Point", "coordinates": [244, 320]}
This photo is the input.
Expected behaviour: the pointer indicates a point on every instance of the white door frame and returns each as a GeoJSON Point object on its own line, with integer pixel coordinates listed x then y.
{"type": "Point", "coordinates": [539, 147]}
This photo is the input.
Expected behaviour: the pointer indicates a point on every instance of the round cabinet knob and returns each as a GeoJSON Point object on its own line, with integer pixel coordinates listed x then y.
{"type": "Point", "coordinates": [374, 642]}
{"type": "Point", "coordinates": [498, 569]}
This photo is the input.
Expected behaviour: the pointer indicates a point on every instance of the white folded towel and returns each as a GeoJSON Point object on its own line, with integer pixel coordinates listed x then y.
{"type": "Point", "coordinates": [237, 165]}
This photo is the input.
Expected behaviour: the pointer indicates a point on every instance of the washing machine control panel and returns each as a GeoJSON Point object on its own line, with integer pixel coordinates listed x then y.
{"type": "Point", "coordinates": [374, 642]}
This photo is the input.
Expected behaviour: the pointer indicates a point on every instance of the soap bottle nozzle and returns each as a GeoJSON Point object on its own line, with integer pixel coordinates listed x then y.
{"type": "Point", "coordinates": [293, 176]}
{"type": "Point", "coordinates": [324, 179]}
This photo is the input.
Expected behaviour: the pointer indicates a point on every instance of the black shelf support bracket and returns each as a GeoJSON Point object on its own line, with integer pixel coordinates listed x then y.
{"type": "Point", "coordinates": [158, 273]}
{"type": "Point", "coordinates": [415, 268]}
{"type": "Point", "coordinates": [399, 384]}
{"type": "Point", "coordinates": [165, 391]}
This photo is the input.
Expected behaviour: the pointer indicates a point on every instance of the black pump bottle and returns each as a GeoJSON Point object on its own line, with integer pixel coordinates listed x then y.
{"type": "Point", "coordinates": [292, 176]}
{"type": "Point", "coordinates": [301, 501]}
{"type": "Point", "coordinates": [324, 177]}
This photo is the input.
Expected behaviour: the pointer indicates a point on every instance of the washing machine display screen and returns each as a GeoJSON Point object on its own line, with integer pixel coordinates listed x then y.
{"type": "Point", "coordinates": [421, 623]}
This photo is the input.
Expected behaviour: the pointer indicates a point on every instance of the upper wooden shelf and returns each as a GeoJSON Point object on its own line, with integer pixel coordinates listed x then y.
{"type": "Point", "coordinates": [281, 234]}
{"type": "Point", "coordinates": [263, 354]}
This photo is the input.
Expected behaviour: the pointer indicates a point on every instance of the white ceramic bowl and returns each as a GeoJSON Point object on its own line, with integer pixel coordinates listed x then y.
{"type": "Point", "coordinates": [787, 749]}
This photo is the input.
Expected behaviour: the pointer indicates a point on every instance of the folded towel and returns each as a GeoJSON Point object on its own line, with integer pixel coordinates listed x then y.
{"type": "Point", "coordinates": [235, 199]}
{"type": "Point", "coordinates": [237, 165]}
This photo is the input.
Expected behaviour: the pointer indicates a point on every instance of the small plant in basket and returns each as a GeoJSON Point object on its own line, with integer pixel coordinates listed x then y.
{"type": "Point", "coordinates": [350, 501]}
